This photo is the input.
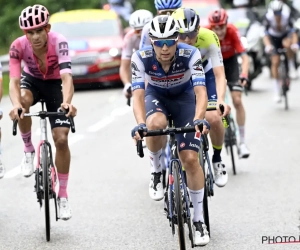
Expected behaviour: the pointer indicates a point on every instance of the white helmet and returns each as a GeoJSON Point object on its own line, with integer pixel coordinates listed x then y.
{"type": "Point", "coordinates": [140, 18]}
{"type": "Point", "coordinates": [276, 5]}
{"type": "Point", "coordinates": [163, 26]}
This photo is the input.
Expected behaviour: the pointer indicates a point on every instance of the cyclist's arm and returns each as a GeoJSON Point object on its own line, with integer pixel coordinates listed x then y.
{"type": "Point", "coordinates": [64, 62]}
{"type": "Point", "coordinates": [266, 38]}
{"type": "Point", "coordinates": [127, 50]}
{"type": "Point", "coordinates": [239, 48]}
{"type": "Point", "coordinates": [198, 80]}
{"type": "Point", "coordinates": [138, 88]}
{"type": "Point", "coordinates": [217, 63]}
{"type": "Point", "coordinates": [145, 40]}
{"type": "Point", "coordinates": [15, 58]}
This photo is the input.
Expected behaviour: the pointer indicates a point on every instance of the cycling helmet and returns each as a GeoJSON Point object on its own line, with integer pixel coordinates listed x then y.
{"type": "Point", "coordinates": [140, 18]}
{"type": "Point", "coordinates": [163, 26]}
{"type": "Point", "coordinates": [276, 6]}
{"type": "Point", "coordinates": [167, 4]}
{"type": "Point", "coordinates": [218, 17]}
{"type": "Point", "coordinates": [33, 17]}
{"type": "Point", "coordinates": [187, 19]}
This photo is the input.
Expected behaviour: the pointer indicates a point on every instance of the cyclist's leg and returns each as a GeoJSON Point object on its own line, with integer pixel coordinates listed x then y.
{"type": "Point", "coordinates": [277, 43]}
{"type": "Point", "coordinates": [217, 131]}
{"type": "Point", "coordinates": [60, 126]}
{"type": "Point", "coordinates": [29, 97]}
{"type": "Point", "coordinates": [286, 43]}
{"type": "Point", "coordinates": [183, 111]}
{"type": "Point", "coordinates": [156, 118]}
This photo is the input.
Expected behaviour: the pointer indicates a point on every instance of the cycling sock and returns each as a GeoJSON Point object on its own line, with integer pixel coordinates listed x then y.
{"type": "Point", "coordinates": [242, 134]}
{"type": "Point", "coordinates": [163, 159]}
{"type": "Point", "coordinates": [155, 161]}
{"type": "Point", "coordinates": [197, 199]}
{"type": "Point", "coordinates": [217, 153]}
{"type": "Point", "coordinates": [291, 64]}
{"type": "Point", "coordinates": [276, 86]}
{"type": "Point", "coordinates": [63, 183]}
{"type": "Point", "coordinates": [28, 147]}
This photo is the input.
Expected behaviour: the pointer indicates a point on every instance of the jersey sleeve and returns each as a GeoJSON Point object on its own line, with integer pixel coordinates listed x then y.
{"type": "Point", "coordinates": [15, 59]}
{"type": "Point", "coordinates": [137, 72]}
{"type": "Point", "coordinates": [214, 51]}
{"type": "Point", "coordinates": [197, 71]}
{"type": "Point", "coordinates": [145, 40]}
{"type": "Point", "coordinates": [62, 51]}
{"type": "Point", "coordinates": [237, 43]}
{"type": "Point", "coordinates": [127, 49]}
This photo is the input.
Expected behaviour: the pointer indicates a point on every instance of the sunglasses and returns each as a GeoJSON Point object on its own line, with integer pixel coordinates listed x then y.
{"type": "Point", "coordinates": [190, 35]}
{"type": "Point", "coordinates": [161, 43]}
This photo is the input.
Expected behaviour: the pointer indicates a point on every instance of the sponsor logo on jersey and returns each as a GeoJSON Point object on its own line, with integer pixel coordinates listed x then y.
{"type": "Point", "coordinates": [198, 66]}
{"type": "Point", "coordinates": [134, 68]}
{"type": "Point", "coordinates": [154, 73]}
{"type": "Point", "coordinates": [154, 67]}
{"type": "Point", "coordinates": [168, 79]}
{"type": "Point", "coordinates": [216, 39]}
{"type": "Point", "coordinates": [146, 53]}
{"type": "Point", "coordinates": [185, 52]}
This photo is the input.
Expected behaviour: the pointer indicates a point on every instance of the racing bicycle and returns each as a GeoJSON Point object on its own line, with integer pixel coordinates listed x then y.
{"type": "Point", "coordinates": [45, 173]}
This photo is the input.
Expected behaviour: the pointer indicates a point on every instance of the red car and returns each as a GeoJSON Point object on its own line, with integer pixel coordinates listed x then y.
{"type": "Point", "coordinates": [95, 40]}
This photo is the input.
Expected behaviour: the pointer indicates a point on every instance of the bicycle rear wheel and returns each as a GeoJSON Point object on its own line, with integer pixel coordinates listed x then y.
{"type": "Point", "coordinates": [178, 206]}
{"type": "Point", "coordinates": [45, 168]}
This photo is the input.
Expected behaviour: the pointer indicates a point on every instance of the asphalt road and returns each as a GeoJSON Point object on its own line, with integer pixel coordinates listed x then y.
{"type": "Point", "coordinates": [108, 185]}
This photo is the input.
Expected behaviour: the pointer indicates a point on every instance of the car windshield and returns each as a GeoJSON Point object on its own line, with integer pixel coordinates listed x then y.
{"type": "Point", "coordinates": [88, 29]}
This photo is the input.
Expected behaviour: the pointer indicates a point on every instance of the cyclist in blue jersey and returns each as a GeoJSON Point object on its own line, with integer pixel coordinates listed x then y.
{"type": "Point", "coordinates": [176, 86]}
{"type": "Point", "coordinates": [162, 7]}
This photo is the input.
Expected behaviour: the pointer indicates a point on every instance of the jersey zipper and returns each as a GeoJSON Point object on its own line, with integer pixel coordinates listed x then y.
{"type": "Point", "coordinates": [37, 63]}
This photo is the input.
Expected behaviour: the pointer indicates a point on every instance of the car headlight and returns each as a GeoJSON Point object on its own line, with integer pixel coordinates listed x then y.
{"type": "Point", "coordinates": [114, 52]}
{"type": "Point", "coordinates": [244, 42]}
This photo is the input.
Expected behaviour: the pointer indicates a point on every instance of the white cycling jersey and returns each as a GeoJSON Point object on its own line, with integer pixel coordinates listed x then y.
{"type": "Point", "coordinates": [145, 40]}
{"type": "Point", "coordinates": [131, 44]}
{"type": "Point", "coordinates": [286, 23]}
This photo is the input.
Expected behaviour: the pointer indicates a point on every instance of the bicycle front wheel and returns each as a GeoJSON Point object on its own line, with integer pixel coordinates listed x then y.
{"type": "Point", "coordinates": [178, 205]}
{"type": "Point", "coordinates": [45, 168]}
{"type": "Point", "coordinates": [230, 131]}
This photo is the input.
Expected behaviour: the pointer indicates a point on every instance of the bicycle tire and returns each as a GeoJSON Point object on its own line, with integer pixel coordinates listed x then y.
{"type": "Point", "coordinates": [45, 165]}
{"type": "Point", "coordinates": [284, 75]}
{"type": "Point", "coordinates": [178, 206]}
{"type": "Point", "coordinates": [205, 201]}
{"type": "Point", "coordinates": [230, 141]}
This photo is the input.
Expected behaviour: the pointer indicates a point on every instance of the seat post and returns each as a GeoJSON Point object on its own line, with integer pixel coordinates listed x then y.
{"type": "Point", "coordinates": [42, 102]}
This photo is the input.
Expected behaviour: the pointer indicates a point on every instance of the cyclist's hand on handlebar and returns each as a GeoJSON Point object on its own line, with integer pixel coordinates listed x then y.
{"type": "Point", "coordinates": [127, 93]}
{"type": "Point", "coordinates": [14, 113]}
{"type": "Point", "coordinates": [269, 49]}
{"type": "Point", "coordinates": [295, 47]}
{"type": "Point", "coordinates": [206, 126]}
{"type": "Point", "coordinates": [243, 80]}
{"type": "Point", "coordinates": [134, 132]}
{"type": "Point", "coordinates": [72, 111]}
{"type": "Point", "coordinates": [227, 108]}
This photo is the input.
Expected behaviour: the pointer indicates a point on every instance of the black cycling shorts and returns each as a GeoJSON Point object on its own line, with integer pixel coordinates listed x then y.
{"type": "Point", "coordinates": [232, 73]}
{"type": "Point", "coordinates": [277, 41]}
{"type": "Point", "coordinates": [51, 92]}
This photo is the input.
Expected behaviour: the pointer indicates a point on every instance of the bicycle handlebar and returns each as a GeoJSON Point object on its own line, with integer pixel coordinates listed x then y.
{"type": "Point", "coordinates": [44, 114]}
{"type": "Point", "coordinates": [180, 130]}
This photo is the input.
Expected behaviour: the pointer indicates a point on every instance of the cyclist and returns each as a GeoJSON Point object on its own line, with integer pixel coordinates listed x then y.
{"type": "Point", "coordinates": [169, 91]}
{"type": "Point", "coordinates": [46, 74]}
{"type": "Point", "coordinates": [230, 46]}
{"type": "Point", "coordinates": [2, 168]}
{"type": "Point", "coordinates": [279, 33]}
{"type": "Point", "coordinates": [162, 7]}
{"type": "Point", "coordinates": [208, 44]}
{"type": "Point", "coordinates": [137, 21]}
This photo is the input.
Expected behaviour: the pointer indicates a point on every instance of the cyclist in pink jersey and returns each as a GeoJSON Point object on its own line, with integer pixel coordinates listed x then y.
{"type": "Point", "coordinates": [137, 21]}
{"type": "Point", "coordinates": [46, 75]}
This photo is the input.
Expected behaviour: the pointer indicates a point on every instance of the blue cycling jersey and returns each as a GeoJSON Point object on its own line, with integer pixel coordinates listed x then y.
{"type": "Point", "coordinates": [185, 72]}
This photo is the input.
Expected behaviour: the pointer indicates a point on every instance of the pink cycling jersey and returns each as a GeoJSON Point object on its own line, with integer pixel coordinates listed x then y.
{"type": "Point", "coordinates": [131, 44]}
{"type": "Point", "coordinates": [58, 60]}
